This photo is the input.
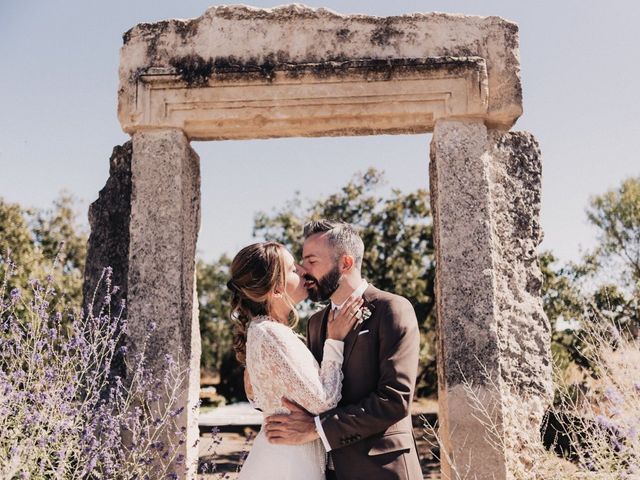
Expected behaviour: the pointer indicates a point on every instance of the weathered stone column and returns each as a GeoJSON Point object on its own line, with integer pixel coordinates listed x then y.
{"type": "Point", "coordinates": [108, 244]}
{"type": "Point", "coordinates": [165, 218]}
{"type": "Point", "coordinates": [493, 337]}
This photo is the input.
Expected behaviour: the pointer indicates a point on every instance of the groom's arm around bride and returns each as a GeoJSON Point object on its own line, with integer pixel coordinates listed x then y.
{"type": "Point", "coordinates": [369, 434]}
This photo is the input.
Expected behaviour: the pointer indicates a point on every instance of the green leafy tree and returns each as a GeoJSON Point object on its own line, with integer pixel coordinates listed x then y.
{"type": "Point", "coordinates": [604, 285]}
{"type": "Point", "coordinates": [214, 303]}
{"type": "Point", "coordinates": [616, 215]}
{"type": "Point", "coordinates": [614, 265]}
{"type": "Point", "coordinates": [610, 273]}
{"type": "Point", "coordinates": [564, 304]}
{"type": "Point", "coordinates": [16, 242]}
{"type": "Point", "coordinates": [56, 233]}
{"type": "Point", "coordinates": [36, 238]}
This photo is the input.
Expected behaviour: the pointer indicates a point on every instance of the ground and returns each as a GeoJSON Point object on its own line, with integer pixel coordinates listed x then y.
{"type": "Point", "coordinates": [221, 452]}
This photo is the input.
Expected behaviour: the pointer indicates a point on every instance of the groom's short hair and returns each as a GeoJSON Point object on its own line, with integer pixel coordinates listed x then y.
{"type": "Point", "coordinates": [342, 236]}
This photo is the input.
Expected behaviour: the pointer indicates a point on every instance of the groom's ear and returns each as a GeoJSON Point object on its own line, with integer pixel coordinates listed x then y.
{"type": "Point", "coordinates": [347, 262]}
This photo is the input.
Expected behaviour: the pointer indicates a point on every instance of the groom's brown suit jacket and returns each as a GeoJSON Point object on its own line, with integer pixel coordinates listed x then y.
{"type": "Point", "coordinates": [370, 430]}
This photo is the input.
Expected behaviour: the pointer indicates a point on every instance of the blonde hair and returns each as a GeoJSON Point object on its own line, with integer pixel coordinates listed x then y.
{"type": "Point", "coordinates": [256, 271]}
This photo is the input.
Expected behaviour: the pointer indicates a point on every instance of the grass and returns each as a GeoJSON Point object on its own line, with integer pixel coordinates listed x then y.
{"type": "Point", "coordinates": [590, 432]}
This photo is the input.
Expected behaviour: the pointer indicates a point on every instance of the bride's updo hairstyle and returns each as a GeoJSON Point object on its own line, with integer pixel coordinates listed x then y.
{"type": "Point", "coordinates": [255, 271]}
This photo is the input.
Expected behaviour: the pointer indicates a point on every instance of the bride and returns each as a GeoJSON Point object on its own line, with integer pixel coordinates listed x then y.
{"type": "Point", "coordinates": [266, 287]}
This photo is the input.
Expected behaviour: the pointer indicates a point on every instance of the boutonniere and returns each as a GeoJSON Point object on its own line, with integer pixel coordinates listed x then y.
{"type": "Point", "coordinates": [362, 315]}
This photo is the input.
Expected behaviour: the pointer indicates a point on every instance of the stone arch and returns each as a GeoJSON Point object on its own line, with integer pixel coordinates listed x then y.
{"type": "Point", "coordinates": [241, 72]}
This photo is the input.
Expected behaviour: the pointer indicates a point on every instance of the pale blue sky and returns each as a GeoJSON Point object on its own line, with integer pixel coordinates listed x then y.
{"type": "Point", "coordinates": [59, 73]}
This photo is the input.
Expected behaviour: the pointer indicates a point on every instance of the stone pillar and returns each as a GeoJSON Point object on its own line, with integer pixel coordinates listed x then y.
{"type": "Point", "coordinates": [165, 218]}
{"type": "Point", "coordinates": [494, 368]}
{"type": "Point", "coordinates": [108, 244]}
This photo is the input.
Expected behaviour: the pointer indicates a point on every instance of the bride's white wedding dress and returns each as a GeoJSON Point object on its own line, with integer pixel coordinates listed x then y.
{"type": "Point", "coordinates": [280, 365]}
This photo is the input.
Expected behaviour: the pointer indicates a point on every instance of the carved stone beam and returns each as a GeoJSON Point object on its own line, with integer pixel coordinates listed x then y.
{"type": "Point", "coordinates": [363, 97]}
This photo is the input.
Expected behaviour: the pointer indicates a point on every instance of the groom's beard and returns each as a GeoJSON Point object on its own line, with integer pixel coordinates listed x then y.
{"type": "Point", "coordinates": [324, 287]}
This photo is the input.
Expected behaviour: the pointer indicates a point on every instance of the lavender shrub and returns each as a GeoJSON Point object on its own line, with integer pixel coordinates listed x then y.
{"type": "Point", "coordinates": [62, 413]}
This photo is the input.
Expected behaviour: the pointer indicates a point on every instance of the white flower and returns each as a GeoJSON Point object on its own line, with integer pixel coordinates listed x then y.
{"type": "Point", "coordinates": [362, 315]}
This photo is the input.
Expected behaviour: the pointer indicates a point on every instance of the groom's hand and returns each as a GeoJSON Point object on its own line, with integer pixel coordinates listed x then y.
{"type": "Point", "coordinates": [293, 429]}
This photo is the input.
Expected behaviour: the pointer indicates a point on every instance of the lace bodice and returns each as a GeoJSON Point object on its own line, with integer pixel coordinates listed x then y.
{"type": "Point", "coordinates": [280, 365]}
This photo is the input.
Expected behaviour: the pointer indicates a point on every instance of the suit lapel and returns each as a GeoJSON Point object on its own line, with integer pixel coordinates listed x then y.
{"type": "Point", "coordinates": [322, 335]}
{"type": "Point", "coordinates": [352, 337]}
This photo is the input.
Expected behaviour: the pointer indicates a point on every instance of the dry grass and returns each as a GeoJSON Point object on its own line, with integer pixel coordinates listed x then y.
{"type": "Point", "coordinates": [599, 418]}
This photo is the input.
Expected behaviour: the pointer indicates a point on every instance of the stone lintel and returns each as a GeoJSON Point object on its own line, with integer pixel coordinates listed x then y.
{"type": "Point", "coordinates": [326, 99]}
{"type": "Point", "coordinates": [259, 39]}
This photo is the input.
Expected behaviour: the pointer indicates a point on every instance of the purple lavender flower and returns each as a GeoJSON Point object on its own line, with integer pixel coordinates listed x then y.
{"type": "Point", "coordinates": [178, 411]}
{"type": "Point", "coordinates": [613, 395]}
{"type": "Point", "coordinates": [603, 421]}
{"type": "Point", "coordinates": [15, 295]}
{"type": "Point", "coordinates": [67, 369]}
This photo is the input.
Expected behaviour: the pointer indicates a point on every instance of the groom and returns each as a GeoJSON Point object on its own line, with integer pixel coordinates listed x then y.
{"type": "Point", "coordinates": [369, 434]}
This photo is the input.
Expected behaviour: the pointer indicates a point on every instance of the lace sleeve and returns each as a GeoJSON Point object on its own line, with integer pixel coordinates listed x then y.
{"type": "Point", "coordinates": [292, 367]}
